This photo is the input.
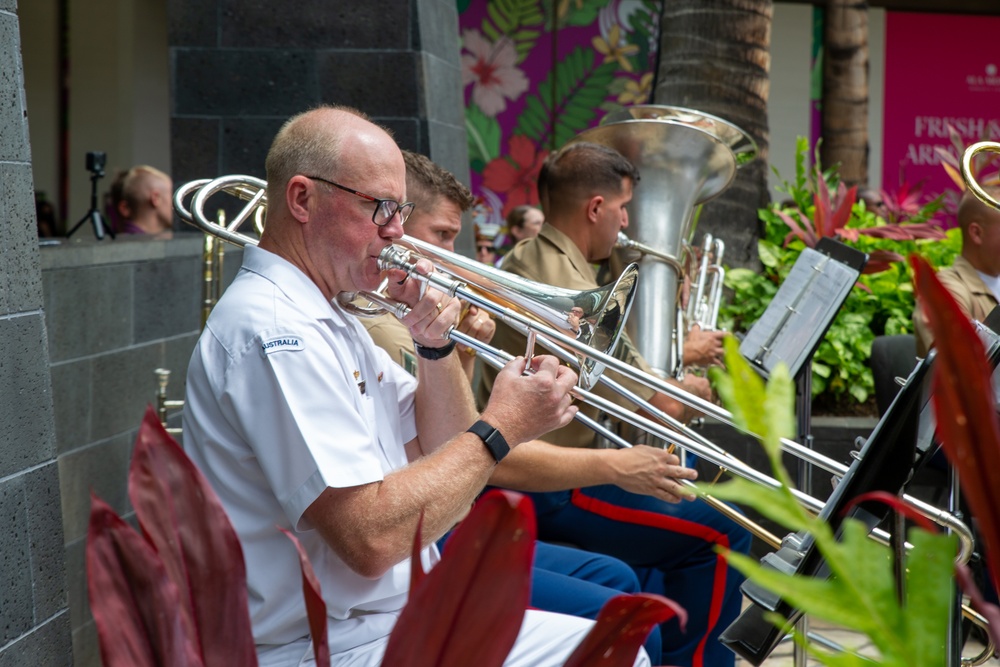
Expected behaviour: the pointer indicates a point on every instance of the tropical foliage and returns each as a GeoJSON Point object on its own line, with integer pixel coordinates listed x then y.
{"type": "Point", "coordinates": [818, 205]}
{"type": "Point", "coordinates": [538, 73]}
{"type": "Point", "coordinates": [861, 593]}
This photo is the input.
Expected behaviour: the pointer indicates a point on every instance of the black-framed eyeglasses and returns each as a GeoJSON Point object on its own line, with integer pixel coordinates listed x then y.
{"type": "Point", "coordinates": [384, 208]}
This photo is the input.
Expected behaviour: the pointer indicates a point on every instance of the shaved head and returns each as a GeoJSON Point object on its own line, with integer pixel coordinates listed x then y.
{"type": "Point", "coordinates": [971, 209]}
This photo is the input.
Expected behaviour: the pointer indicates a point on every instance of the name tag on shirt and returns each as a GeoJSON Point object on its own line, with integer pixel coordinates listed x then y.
{"type": "Point", "coordinates": [282, 344]}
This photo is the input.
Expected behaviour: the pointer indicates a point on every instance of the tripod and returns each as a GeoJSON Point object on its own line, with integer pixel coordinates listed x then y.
{"type": "Point", "coordinates": [94, 214]}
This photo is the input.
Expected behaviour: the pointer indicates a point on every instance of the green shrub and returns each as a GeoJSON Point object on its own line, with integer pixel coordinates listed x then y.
{"type": "Point", "coordinates": [882, 301]}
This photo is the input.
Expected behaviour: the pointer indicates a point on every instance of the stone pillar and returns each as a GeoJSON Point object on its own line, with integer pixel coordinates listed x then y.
{"type": "Point", "coordinates": [34, 618]}
{"type": "Point", "coordinates": [239, 70]}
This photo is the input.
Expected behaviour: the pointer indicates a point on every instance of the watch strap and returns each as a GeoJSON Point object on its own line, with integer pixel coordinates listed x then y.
{"type": "Point", "coordinates": [492, 438]}
{"type": "Point", "coordinates": [433, 353]}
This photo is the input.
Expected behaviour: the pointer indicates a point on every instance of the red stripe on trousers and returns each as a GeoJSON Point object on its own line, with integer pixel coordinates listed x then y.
{"type": "Point", "coordinates": [690, 528]}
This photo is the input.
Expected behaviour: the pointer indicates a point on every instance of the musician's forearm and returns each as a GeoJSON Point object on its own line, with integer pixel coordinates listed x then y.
{"type": "Point", "coordinates": [539, 466]}
{"type": "Point", "coordinates": [444, 403]}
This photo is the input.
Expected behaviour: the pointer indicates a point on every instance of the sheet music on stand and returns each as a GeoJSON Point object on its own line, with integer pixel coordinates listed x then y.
{"type": "Point", "coordinates": [800, 313]}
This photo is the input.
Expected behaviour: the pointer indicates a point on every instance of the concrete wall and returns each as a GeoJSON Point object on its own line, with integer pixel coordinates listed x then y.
{"type": "Point", "coordinates": [34, 621]}
{"type": "Point", "coordinates": [118, 310]}
{"type": "Point", "coordinates": [789, 106]}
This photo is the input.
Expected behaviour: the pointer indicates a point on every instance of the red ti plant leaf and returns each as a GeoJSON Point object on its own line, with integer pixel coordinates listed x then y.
{"type": "Point", "coordinates": [133, 600]}
{"type": "Point", "coordinates": [184, 520]}
{"type": "Point", "coordinates": [831, 216]}
{"type": "Point", "coordinates": [896, 504]}
{"type": "Point", "coordinates": [803, 231]}
{"type": "Point", "coordinates": [963, 406]}
{"type": "Point", "coordinates": [990, 611]}
{"type": "Point", "coordinates": [622, 628]}
{"type": "Point", "coordinates": [478, 591]}
{"type": "Point", "coordinates": [315, 606]}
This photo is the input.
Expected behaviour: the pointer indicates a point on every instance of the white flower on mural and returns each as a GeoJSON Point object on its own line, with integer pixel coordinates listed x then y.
{"type": "Point", "coordinates": [491, 69]}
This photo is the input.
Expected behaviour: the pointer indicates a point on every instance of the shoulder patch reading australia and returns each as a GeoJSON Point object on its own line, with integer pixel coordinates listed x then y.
{"type": "Point", "coordinates": [282, 344]}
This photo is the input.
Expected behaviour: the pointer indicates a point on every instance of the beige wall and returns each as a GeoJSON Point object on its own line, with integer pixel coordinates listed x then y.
{"type": "Point", "coordinates": [119, 90]}
{"type": "Point", "coordinates": [788, 107]}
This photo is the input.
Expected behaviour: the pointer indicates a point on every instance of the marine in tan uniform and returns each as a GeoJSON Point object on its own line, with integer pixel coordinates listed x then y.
{"type": "Point", "coordinates": [437, 219]}
{"type": "Point", "coordinates": [564, 580]}
{"type": "Point", "coordinates": [978, 265]}
{"type": "Point", "coordinates": [626, 503]}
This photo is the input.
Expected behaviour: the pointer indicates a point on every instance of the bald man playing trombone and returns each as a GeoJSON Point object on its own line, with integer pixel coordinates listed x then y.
{"type": "Point", "coordinates": [299, 422]}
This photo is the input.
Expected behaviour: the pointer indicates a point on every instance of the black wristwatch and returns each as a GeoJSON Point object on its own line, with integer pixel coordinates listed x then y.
{"type": "Point", "coordinates": [434, 353]}
{"type": "Point", "coordinates": [492, 438]}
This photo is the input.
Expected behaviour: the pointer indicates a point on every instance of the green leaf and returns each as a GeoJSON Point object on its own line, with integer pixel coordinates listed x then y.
{"type": "Point", "coordinates": [770, 255]}
{"type": "Point", "coordinates": [585, 14]}
{"type": "Point", "coordinates": [741, 389]}
{"type": "Point", "coordinates": [509, 18]}
{"type": "Point", "coordinates": [580, 86]}
{"type": "Point", "coordinates": [483, 135]}
{"type": "Point", "coordinates": [769, 502]}
{"type": "Point", "coordinates": [929, 587]}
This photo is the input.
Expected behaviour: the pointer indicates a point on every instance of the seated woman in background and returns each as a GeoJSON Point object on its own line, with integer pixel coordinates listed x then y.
{"type": "Point", "coordinates": [523, 222]}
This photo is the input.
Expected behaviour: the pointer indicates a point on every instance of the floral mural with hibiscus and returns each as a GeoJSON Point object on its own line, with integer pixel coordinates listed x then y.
{"type": "Point", "coordinates": [538, 72]}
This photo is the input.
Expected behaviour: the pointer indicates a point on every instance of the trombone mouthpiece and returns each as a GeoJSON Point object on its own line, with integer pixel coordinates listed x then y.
{"type": "Point", "coordinates": [395, 257]}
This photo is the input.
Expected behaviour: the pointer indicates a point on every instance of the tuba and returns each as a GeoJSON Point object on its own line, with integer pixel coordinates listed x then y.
{"type": "Point", "coordinates": [685, 158]}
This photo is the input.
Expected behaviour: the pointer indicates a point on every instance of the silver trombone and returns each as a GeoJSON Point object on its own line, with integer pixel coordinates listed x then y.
{"type": "Point", "coordinates": [577, 327]}
{"type": "Point", "coordinates": [556, 328]}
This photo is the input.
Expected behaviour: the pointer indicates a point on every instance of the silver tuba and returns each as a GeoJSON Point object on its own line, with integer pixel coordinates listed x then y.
{"type": "Point", "coordinates": [684, 158]}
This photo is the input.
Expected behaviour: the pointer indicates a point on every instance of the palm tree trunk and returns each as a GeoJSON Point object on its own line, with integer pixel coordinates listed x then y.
{"type": "Point", "coordinates": [715, 57]}
{"type": "Point", "coordinates": [845, 90]}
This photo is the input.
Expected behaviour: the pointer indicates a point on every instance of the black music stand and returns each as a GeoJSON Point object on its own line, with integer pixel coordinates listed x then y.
{"type": "Point", "coordinates": [902, 441]}
{"type": "Point", "coordinates": [797, 319]}
{"type": "Point", "coordinates": [884, 464]}
{"type": "Point", "coordinates": [800, 314]}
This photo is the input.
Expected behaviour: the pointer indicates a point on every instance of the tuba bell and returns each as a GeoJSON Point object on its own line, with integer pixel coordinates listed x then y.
{"type": "Point", "coordinates": [969, 172]}
{"type": "Point", "coordinates": [685, 158]}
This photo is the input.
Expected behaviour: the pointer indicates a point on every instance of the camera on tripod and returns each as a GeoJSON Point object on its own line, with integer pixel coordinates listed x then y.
{"type": "Point", "coordinates": [95, 165]}
{"type": "Point", "coordinates": [95, 162]}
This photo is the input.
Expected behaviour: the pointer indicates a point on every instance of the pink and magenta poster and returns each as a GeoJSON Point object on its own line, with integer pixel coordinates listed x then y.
{"type": "Point", "coordinates": [940, 70]}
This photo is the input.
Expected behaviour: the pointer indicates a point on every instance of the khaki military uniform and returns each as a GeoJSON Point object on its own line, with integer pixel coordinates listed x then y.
{"type": "Point", "coordinates": [392, 336]}
{"type": "Point", "coordinates": [553, 259]}
{"type": "Point", "coordinates": [671, 546]}
{"type": "Point", "coordinates": [972, 295]}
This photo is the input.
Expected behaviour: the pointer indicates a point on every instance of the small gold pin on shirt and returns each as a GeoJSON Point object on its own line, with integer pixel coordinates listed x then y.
{"type": "Point", "coordinates": [380, 377]}
{"type": "Point", "coordinates": [357, 374]}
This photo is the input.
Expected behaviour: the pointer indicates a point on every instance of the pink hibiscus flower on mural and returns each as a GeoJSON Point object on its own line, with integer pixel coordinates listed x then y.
{"type": "Point", "coordinates": [491, 69]}
{"type": "Point", "coordinates": [515, 175]}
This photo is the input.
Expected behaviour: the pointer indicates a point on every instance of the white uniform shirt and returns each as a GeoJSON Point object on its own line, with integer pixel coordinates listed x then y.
{"type": "Point", "coordinates": [286, 396]}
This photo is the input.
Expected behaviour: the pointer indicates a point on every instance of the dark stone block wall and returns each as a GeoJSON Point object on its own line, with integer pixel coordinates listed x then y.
{"type": "Point", "coordinates": [116, 311]}
{"type": "Point", "coordinates": [34, 617]}
{"type": "Point", "coordinates": [240, 68]}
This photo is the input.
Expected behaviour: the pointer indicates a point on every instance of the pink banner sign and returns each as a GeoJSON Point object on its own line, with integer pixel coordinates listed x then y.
{"type": "Point", "coordinates": [940, 70]}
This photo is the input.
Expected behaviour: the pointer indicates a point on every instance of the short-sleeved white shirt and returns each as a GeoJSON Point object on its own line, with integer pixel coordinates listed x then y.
{"type": "Point", "coordinates": [286, 396]}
